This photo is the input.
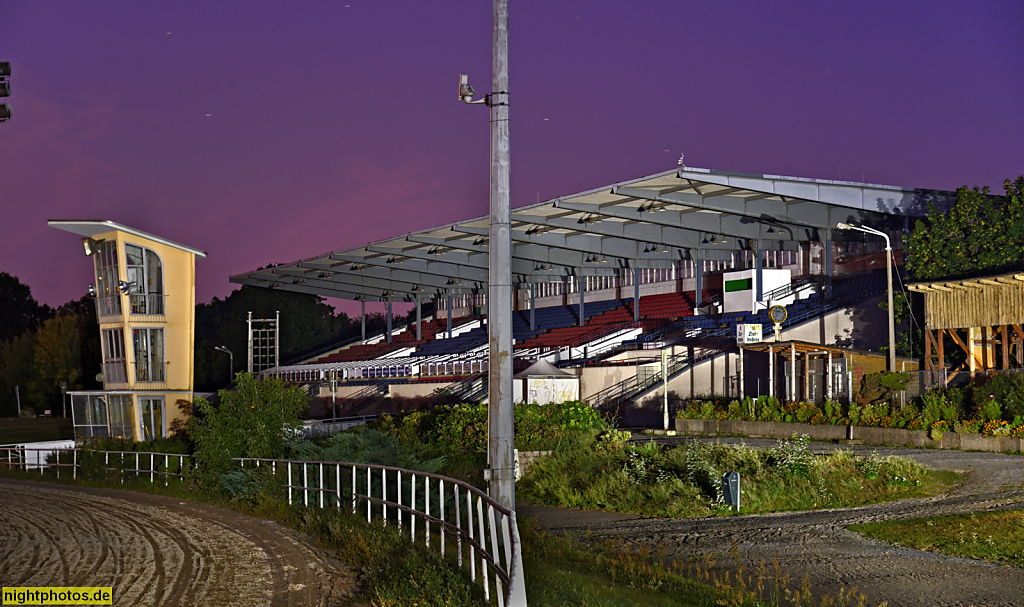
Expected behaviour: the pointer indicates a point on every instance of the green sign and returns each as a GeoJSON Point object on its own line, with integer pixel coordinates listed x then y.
{"type": "Point", "coordinates": [742, 284]}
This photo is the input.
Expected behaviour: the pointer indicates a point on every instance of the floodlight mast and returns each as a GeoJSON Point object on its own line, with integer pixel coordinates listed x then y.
{"type": "Point", "coordinates": [888, 275]}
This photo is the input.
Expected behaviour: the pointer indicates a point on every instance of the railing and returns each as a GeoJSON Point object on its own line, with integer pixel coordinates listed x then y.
{"type": "Point", "coordinates": [28, 458]}
{"type": "Point", "coordinates": [485, 535]}
{"type": "Point", "coordinates": [108, 306]}
{"type": "Point", "coordinates": [634, 387]}
{"type": "Point", "coordinates": [490, 539]}
{"type": "Point", "coordinates": [148, 304]}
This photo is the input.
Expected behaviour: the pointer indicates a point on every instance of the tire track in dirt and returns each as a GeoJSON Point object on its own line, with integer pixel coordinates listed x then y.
{"type": "Point", "coordinates": [155, 550]}
{"type": "Point", "coordinates": [818, 544]}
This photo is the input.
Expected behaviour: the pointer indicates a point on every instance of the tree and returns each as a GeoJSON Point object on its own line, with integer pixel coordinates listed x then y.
{"type": "Point", "coordinates": [306, 322]}
{"type": "Point", "coordinates": [16, 368]}
{"type": "Point", "coordinates": [57, 360]}
{"type": "Point", "coordinates": [18, 309]}
{"type": "Point", "coordinates": [255, 419]}
{"type": "Point", "coordinates": [982, 234]}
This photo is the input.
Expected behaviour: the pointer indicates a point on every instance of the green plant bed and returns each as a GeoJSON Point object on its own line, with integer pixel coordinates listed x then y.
{"type": "Point", "coordinates": [997, 537]}
{"type": "Point", "coordinates": [595, 473]}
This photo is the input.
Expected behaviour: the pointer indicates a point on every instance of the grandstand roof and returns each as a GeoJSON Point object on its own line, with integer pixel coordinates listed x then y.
{"type": "Point", "coordinates": [651, 222]}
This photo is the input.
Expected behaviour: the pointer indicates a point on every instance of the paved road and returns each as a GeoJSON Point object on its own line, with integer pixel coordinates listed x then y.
{"type": "Point", "coordinates": [819, 545]}
{"type": "Point", "coordinates": [156, 550]}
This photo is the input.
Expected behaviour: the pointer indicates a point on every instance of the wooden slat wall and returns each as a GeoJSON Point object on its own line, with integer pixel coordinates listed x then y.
{"type": "Point", "coordinates": [975, 306]}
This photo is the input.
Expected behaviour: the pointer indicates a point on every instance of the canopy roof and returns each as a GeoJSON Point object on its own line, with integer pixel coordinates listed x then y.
{"type": "Point", "coordinates": [542, 368]}
{"type": "Point", "coordinates": [651, 222]}
{"type": "Point", "coordinates": [973, 302]}
{"type": "Point", "coordinates": [95, 227]}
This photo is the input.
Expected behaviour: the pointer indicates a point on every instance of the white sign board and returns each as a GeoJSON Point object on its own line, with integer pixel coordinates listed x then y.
{"type": "Point", "coordinates": [748, 334]}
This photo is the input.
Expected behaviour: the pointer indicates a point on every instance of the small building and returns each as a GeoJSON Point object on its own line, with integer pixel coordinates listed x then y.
{"type": "Point", "coordinates": [981, 316]}
{"type": "Point", "coordinates": [145, 307]}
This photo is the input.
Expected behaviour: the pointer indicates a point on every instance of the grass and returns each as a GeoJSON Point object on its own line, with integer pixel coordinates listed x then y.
{"type": "Point", "coordinates": [559, 571]}
{"type": "Point", "coordinates": [997, 537]}
{"type": "Point", "coordinates": [684, 481]}
{"type": "Point", "coordinates": [34, 429]}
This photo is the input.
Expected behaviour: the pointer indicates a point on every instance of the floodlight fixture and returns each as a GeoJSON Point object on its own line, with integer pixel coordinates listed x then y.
{"type": "Point", "coordinates": [92, 291]}
{"type": "Point", "coordinates": [89, 245]}
{"type": "Point", "coordinates": [123, 287]}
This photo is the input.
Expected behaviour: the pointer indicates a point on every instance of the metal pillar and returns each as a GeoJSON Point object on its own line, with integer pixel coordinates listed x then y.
{"type": "Point", "coordinates": [362, 318]}
{"type": "Point", "coordinates": [636, 292]}
{"type": "Point", "coordinates": [419, 319]}
{"type": "Point", "coordinates": [583, 291]}
{"type": "Point", "coordinates": [829, 270]}
{"type": "Point", "coordinates": [740, 365]}
{"type": "Point", "coordinates": [828, 374]}
{"type": "Point", "coordinates": [499, 300]}
{"type": "Point", "coordinates": [449, 316]}
{"type": "Point", "coordinates": [759, 276]}
{"type": "Point", "coordinates": [771, 371]}
{"type": "Point", "coordinates": [389, 318]}
{"type": "Point", "coordinates": [533, 306]}
{"type": "Point", "coordinates": [792, 372]}
{"type": "Point", "coordinates": [698, 273]}
{"type": "Point", "coordinates": [892, 311]}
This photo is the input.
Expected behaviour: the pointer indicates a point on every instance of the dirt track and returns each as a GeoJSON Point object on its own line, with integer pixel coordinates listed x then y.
{"type": "Point", "coordinates": [817, 544]}
{"type": "Point", "coordinates": [157, 551]}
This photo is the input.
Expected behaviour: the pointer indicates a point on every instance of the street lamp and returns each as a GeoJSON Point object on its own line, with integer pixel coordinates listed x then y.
{"type": "Point", "coordinates": [888, 275]}
{"type": "Point", "coordinates": [231, 361]}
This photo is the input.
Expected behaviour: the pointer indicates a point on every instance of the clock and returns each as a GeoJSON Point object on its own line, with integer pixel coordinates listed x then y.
{"type": "Point", "coordinates": [778, 314]}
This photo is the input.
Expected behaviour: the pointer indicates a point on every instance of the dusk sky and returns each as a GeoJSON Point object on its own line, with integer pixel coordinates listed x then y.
{"type": "Point", "coordinates": [264, 132]}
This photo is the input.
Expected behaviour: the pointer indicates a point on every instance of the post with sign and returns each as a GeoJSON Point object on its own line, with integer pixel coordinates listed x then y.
{"type": "Point", "coordinates": [731, 489]}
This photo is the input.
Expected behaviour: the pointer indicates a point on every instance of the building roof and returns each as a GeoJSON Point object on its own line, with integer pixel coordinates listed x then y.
{"type": "Point", "coordinates": [651, 222]}
{"type": "Point", "coordinates": [93, 227]}
{"type": "Point", "coordinates": [973, 302]}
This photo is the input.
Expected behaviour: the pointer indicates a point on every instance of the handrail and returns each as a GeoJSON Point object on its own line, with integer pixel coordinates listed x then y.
{"type": "Point", "coordinates": [503, 559]}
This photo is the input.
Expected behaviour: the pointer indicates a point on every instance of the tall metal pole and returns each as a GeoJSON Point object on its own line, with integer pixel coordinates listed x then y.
{"type": "Point", "coordinates": [499, 291]}
{"type": "Point", "coordinates": [892, 312]}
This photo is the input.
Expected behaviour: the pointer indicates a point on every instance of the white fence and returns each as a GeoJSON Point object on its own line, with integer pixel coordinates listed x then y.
{"type": "Point", "coordinates": [463, 521]}
{"type": "Point", "coordinates": [479, 531]}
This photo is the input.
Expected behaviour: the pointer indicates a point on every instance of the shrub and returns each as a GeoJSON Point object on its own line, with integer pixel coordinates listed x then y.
{"type": "Point", "coordinates": [793, 456]}
{"type": "Point", "coordinates": [256, 419]}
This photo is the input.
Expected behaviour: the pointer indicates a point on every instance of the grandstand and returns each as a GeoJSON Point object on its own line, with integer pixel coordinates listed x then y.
{"type": "Point", "coordinates": [607, 279]}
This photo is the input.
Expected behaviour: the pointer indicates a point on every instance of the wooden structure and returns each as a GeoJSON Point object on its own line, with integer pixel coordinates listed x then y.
{"type": "Point", "coordinates": [982, 316]}
{"type": "Point", "coordinates": [838, 378]}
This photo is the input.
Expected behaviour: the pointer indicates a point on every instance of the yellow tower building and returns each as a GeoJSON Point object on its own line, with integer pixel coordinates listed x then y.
{"type": "Point", "coordinates": [145, 289]}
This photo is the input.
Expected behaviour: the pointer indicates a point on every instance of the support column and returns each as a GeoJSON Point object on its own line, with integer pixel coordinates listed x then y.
{"type": "Point", "coordinates": [362, 318]}
{"type": "Point", "coordinates": [449, 316]}
{"type": "Point", "coordinates": [807, 377]}
{"type": "Point", "coordinates": [972, 362]}
{"type": "Point", "coordinates": [698, 273]}
{"type": "Point", "coordinates": [792, 372]}
{"type": "Point", "coordinates": [771, 371]}
{"type": "Point", "coordinates": [636, 292]}
{"type": "Point", "coordinates": [533, 306]}
{"type": "Point", "coordinates": [419, 319]}
{"type": "Point", "coordinates": [1006, 347]}
{"type": "Point", "coordinates": [740, 366]}
{"type": "Point", "coordinates": [389, 318]}
{"type": "Point", "coordinates": [759, 277]}
{"type": "Point", "coordinates": [828, 375]}
{"type": "Point", "coordinates": [500, 457]}
{"type": "Point", "coordinates": [827, 254]}
{"type": "Point", "coordinates": [583, 291]}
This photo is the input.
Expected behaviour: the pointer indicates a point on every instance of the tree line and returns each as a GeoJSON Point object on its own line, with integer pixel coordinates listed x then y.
{"type": "Point", "coordinates": [42, 348]}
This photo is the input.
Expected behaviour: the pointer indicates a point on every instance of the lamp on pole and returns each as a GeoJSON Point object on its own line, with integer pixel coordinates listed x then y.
{"type": "Point", "coordinates": [231, 361]}
{"type": "Point", "coordinates": [888, 275]}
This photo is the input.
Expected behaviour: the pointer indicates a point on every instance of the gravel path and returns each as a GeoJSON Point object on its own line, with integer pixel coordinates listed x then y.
{"type": "Point", "coordinates": [155, 550]}
{"type": "Point", "coordinates": [819, 545]}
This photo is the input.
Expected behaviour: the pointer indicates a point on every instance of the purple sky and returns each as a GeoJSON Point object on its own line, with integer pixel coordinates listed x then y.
{"type": "Point", "coordinates": [265, 132]}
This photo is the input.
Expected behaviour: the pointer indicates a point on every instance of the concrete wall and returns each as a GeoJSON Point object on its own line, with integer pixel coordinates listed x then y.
{"type": "Point", "coordinates": [873, 436]}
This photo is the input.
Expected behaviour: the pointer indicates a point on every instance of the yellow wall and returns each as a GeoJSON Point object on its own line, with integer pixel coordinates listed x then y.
{"type": "Point", "coordinates": [178, 323]}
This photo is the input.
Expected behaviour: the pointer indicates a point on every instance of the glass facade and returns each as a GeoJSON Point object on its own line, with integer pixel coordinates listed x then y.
{"type": "Point", "coordinates": [102, 415]}
{"type": "Point", "coordinates": [145, 279]}
{"type": "Point", "coordinates": [149, 354]}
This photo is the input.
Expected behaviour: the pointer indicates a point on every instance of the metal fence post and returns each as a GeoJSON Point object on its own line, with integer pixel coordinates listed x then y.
{"type": "Point", "coordinates": [289, 483]}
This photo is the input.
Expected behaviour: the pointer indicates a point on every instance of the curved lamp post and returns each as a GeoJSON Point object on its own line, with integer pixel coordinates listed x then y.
{"type": "Point", "coordinates": [888, 275]}
{"type": "Point", "coordinates": [231, 361]}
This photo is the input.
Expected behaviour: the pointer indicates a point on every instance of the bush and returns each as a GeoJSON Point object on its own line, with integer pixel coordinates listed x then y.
{"type": "Point", "coordinates": [463, 428]}
{"type": "Point", "coordinates": [256, 419]}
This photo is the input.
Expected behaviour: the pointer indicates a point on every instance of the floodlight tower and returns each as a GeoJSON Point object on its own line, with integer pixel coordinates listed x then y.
{"type": "Point", "coordinates": [500, 456]}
